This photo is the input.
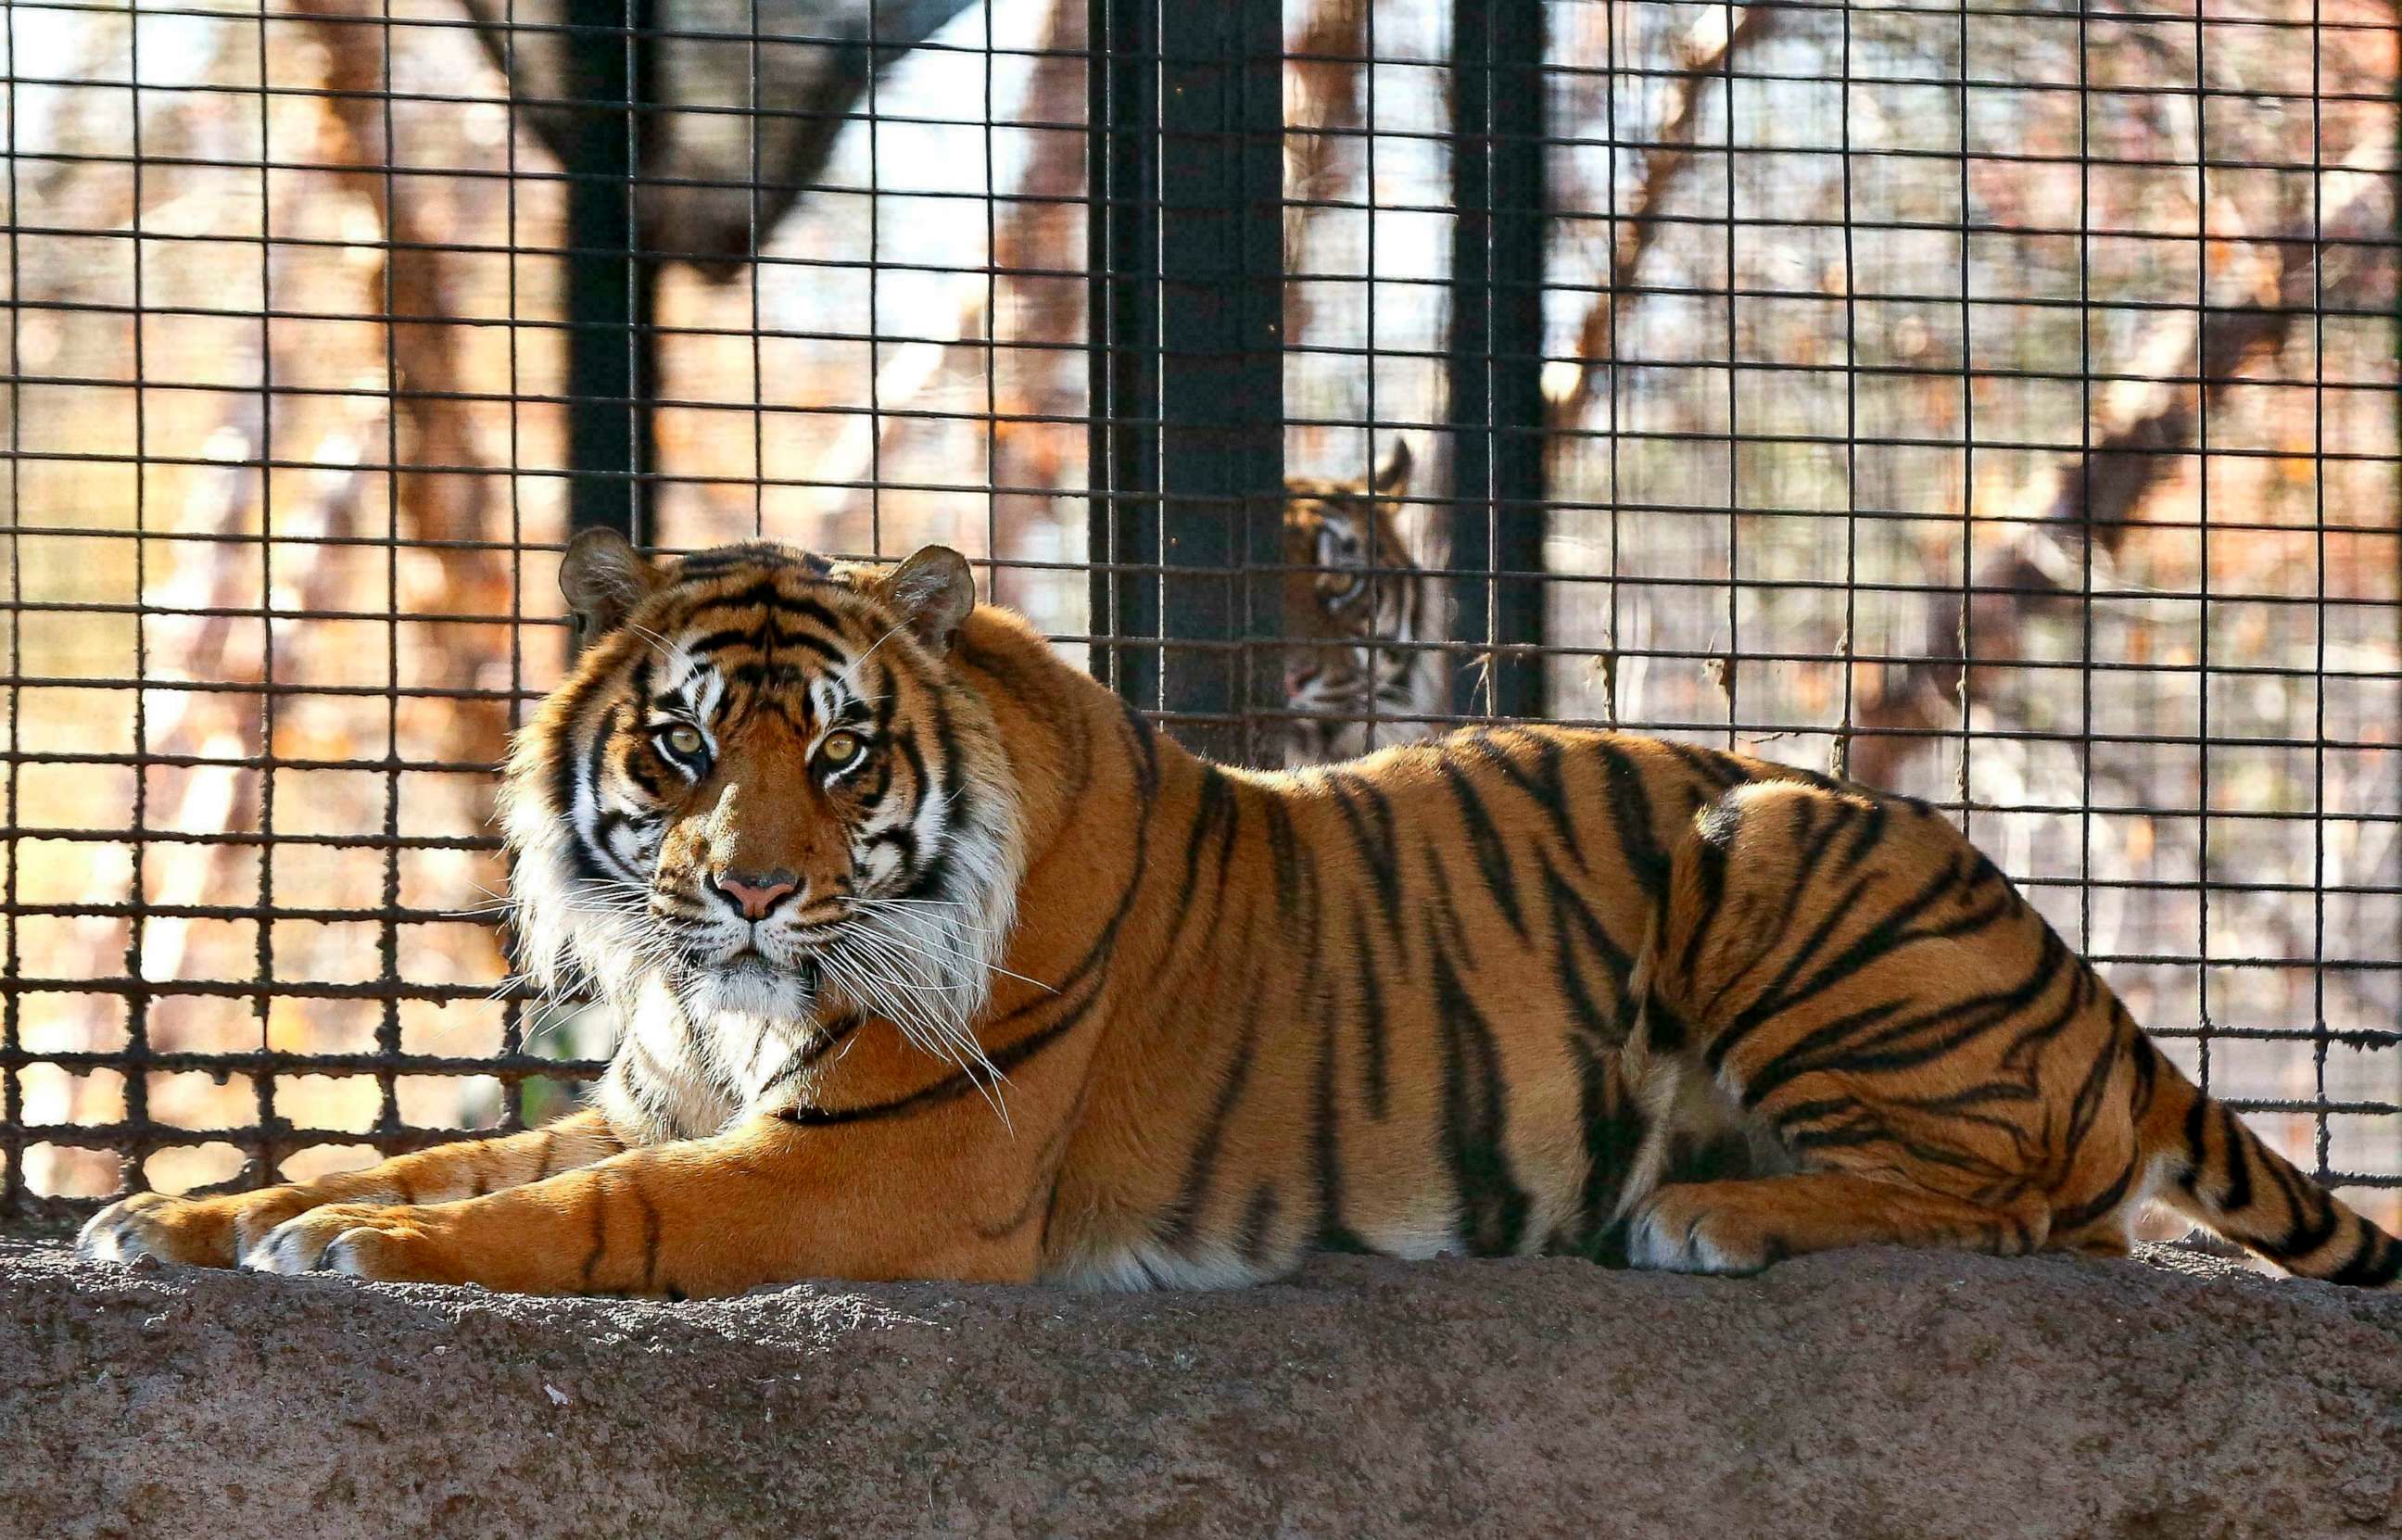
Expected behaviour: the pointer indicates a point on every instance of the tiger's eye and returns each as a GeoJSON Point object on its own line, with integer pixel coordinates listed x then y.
{"type": "Point", "coordinates": [840, 748]}
{"type": "Point", "coordinates": [685, 739]}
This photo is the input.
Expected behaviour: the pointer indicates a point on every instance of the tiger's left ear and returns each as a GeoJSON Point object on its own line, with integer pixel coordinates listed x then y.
{"type": "Point", "coordinates": [604, 580]}
{"type": "Point", "coordinates": [933, 591]}
{"type": "Point", "coordinates": [1393, 476]}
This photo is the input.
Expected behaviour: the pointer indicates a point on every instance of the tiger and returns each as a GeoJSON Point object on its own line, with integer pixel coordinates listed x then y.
{"type": "Point", "coordinates": [934, 959]}
{"type": "Point", "coordinates": [1358, 613]}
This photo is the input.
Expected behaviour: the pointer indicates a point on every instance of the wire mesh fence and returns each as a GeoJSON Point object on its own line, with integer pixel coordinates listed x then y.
{"type": "Point", "coordinates": [1995, 402]}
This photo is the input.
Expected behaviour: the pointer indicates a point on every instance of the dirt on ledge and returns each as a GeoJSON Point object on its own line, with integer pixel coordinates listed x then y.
{"type": "Point", "coordinates": [1863, 1395]}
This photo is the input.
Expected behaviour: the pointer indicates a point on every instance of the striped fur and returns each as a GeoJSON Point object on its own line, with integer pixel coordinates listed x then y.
{"type": "Point", "coordinates": [1518, 991]}
{"type": "Point", "coordinates": [1357, 609]}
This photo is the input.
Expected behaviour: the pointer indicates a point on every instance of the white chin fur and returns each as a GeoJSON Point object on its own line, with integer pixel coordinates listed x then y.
{"type": "Point", "coordinates": [751, 989]}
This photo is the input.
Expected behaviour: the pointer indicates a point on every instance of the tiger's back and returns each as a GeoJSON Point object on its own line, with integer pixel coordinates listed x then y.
{"type": "Point", "coordinates": [1541, 990]}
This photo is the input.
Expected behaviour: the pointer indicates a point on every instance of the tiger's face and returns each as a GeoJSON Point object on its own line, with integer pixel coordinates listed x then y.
{"type": "Point", "coordinates": [1353, 603]}
{"type": "Point", "coordinates": [763, 788]}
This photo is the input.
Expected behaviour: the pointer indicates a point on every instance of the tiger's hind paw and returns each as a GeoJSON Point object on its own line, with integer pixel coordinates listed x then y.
{"type": "Point", "coordinates": [1672, 1233]}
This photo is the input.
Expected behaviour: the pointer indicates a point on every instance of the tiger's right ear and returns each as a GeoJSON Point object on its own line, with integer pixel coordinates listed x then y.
{"type": "Point", "coordinates": [1392, 478]}
{"type": "Point", "coordinates": [603, 578]}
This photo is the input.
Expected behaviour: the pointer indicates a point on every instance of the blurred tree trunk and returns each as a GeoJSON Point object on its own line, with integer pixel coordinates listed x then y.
{"type": "Point", "coordinates": [1706, 53]}
{"type": "Point", "coordinates": [448, 507]}
{"type": "Point", "coordinates": [1322, 111]}
{"type": "Point", "coordinates": [1040, 251]}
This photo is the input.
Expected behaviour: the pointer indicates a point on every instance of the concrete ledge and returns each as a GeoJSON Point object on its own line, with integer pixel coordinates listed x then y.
{"type": "Point", "coordinates": [1875, 1394]}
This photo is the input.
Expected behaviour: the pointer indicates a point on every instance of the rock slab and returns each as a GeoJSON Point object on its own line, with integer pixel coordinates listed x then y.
{"type": "Point", "coordinates": [1862, 1394]}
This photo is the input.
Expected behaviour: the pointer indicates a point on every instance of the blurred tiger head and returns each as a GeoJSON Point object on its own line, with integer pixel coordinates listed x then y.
{"type": "Point", "coordinates": [763, 785]}
{"type": "Point", "coordinates": [1354, 603]}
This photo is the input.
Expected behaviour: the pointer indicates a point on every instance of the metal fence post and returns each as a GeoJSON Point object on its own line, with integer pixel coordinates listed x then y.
{"type": "Point", "coordinates": [612, 353]}
{"type": "Point", "coordinates": [1188, 401]}
{"type": "Point", "coordinates": [1495, 359]}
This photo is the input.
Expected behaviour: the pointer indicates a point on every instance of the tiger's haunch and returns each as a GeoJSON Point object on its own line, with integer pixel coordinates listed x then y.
{"type": "Point", "coordinates": [931, 959]}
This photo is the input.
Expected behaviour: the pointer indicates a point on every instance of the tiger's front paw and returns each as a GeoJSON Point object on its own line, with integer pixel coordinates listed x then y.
{"type": "Point", "coordinates": [389, 1243]}
{"type": "Point", "coordinates": [148, 1224]}
{"type": "Point", "coordinates": [195, 1231]}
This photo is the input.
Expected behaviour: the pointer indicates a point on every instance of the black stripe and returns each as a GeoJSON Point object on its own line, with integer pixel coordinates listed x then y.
{"type": "Point", "coordinates": [1227, 834]}
{"type": "Point", "coordinates": [767, 634]}
{"type": "Point", "coordinates": [2068, 1221]}
{"type": "Point", "coordinates": [582, 772]}
{"type": "Point", "coordinates": [1370, 1002]}
{"type": "Point", "coordinates": [2082, 985]}
{"type": "Point", "coordinates": [1573, 921]}
{"type": "Point", "coordinates": [769, 595]}
{"type": "Point", "coordinates": [1259, 1222]}
{"type": "Point", "coordinates": [1811, 843]}
{"type": "Point", "coordinates": [1146, 743]}
{"type": "Point", "coordinates": [1326, 1137]}
{"type": "Point", "coordinates": [600, 1227]}
{"type": "Point", "coordinates": [2239, 1166]}
{"type": "Point", "coordinates": [946, 740]}
{"type": "Point", "coordinates": [2146, 1057]}
{"type": "Point", "coordinates": [1378, 849]}
{"type": "Point", "coordinates": [1847, 1044]}
{"type": "Point", "coordinates": [1476, 1116]}
{"type": "Point", "coordinates": [721, 560]}
{"type": "Point", "coordinates": [1869, 833]}
{"type": "Point", "coordinates": [1043, 1192]}
{"type": "Point", "coordinates": [2092, 1097]}
{"type": "Point", "coordinates": [1545, 785]}
{"type": "Point", "coordinates": [829, 1038]}
{"type": "Point", "coordinates": [1631, 816]}
{"type": "Point", "coordinates": [2197, 1143]}
{"type": "Point", "coordinates": [2375, 1260]}
{"type": "Point", "coordinates": [1181, 1218]}
{"type": "Point", "coordinates": [1214, 814]}
{"type": "Point", "coordinates": [600, 669]}
{"type": "Point", "coordinates": [1569, 904]}
{"type": "Point", "coordinates": [650, 1235]}
{"type": "Point", "coordinates": [1722, 772]}
{"type": "Point", "coordinates": [1712, 835]}
{"type": "Point", "coordinates": [2315, 1217]}
{"type": "Point", "coordinates": [1484, 842]}
{"type": "Point", "coordinates": [950, 1087]}
{"type": "Point", "coordinates": [1613, 1135]}
{"type": "Point", "coordinates": [1895, 929]}
{"type": "Point", "coordinates": [1287, 855]}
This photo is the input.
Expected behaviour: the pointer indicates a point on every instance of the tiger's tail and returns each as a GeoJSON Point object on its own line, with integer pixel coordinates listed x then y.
{"type": "Point", "coordinates": [2217, 1173]}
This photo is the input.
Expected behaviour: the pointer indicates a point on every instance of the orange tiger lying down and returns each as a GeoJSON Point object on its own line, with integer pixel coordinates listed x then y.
{"type": "Point", "coordinates": [935, 961]}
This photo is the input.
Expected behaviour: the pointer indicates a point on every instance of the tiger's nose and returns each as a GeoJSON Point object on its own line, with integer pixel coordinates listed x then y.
{"type": "Point", "coordinates": [756, 893]}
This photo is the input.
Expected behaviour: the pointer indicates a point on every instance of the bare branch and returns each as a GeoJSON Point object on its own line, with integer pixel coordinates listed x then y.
{"type": "Point", "coordinates": [1706, 53]}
